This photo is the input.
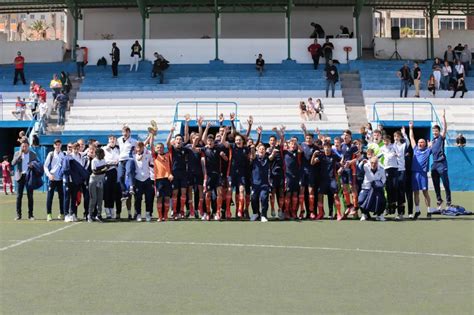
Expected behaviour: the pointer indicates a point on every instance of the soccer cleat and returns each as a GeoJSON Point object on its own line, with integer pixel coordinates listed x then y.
{"type": "Point", "coordinates": [312, 216]}
{"type": "Point", "coordinates": [139, 218]}
{"type": "Point", "coordinates": [281, 216]}
{"type": "Point", "coordinates": [159, 220]}
{"type": "Point", "coordinates": [263, 219]}
{"type": "Point", "coordinates": [17, 218]}
{"type": "Point", "coordinates": [340, 217]}
{"type": "Point", "coordinates": [399, 217]}
{"type": "Point", "coordinates": [49, 217]}
{"type": "Point", "coordinates": [410, 216]}
{"type": "Point", "coordinates": [60, 217]}
{"type": "Point", "coordinates": [73, 218]}
{"type": "Point", "coordinates": [67, 218]}
{"type": "Point", "coordinates": [239, 214]}
{"type": "Point", "coordinates": [363, 217]}
{"type": "Point", "coordinates": [302, 215]}
{"type": "Point", "coordinates": [204, 217]}
{"type": "Point", "coordinates": [130, 218]}
{"type": "Point", "coordinates": [98, 219]}
{"type": "Point", "coordinates": [32, 218]}
{"type": "Point", "coordinates": [273, 213]}
{"type": "Point", "coordinates": [89, 219]}
{"type": "Point", "coordinates": [147, 217]}
{"type": "Point", "coordinates": [417, 214]}
{"type": "Point", "coordinates": [253, 217]}
{"type": "Point", "coordinates": [380, 218]}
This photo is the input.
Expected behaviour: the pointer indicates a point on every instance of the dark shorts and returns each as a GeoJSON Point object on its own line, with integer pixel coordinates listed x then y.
{"type": "Point", "coordinates": [439, 167]}
{"type": "Point", "coordinates": [419, 181]}
{"type": "Point", "coordinates": [180, 181]}
{"type": "Point", "coordinates": [213, 181]}
{"type": "Point", "coordinates": [195, 179]}
{"type": "Point", "coordinates": [308, 179]}
{"type": "Point", "coordinates": [276, 181]}
{"type": "Point", "coordinates": [163, 187]}
{"type": "Point", "coordinates": [347, 177]}
{"type": "Point", "coordinates": [238, 180]}
{"type": "Point", "coordinates": [327, 187]}
{"type": "Point", "coordinates": [292, 185]}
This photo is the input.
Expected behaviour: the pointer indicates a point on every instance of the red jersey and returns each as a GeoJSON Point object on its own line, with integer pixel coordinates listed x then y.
{"type": "Point", "coordinates": [6, 169]}
{"type": "Point", "coordinates": [42, 95]}
{"type": "Point", "coordinates": [314, 49]}
{"type": "Point", "coordinates": [19, 62]}
{"type": "Point", "coordinates": [36, 88]}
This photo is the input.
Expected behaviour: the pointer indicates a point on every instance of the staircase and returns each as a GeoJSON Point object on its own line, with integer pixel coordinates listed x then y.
{"type": "Point", "coordinates": [354, 100]}
{"type": "Point", "coordinates": [53, 128]}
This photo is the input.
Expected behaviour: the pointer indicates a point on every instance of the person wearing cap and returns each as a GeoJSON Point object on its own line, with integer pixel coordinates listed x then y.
{"type": "Point", "coordinates": [19, 68]}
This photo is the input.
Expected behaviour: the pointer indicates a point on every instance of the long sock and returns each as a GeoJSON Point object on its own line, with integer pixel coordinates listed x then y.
{"type": "Point", "coordinates": [355, 199]}
{"type": "Point", "coordinates": [241, 204]}
{"type": "Point", "coordinates": [311, 203]}
{"type": "Point", "coordinates": [281, 203]}
{"type": "Point", "coordinates": [191, 207]}
{"type": "Point", "coordinates": [165, 210]}
{"type": "Point", "coordinates": [228, 200]}
{"type": "Point", "coordinates": [294, 206]}
{"type": "Point", "coordinates": [272, 202]}
{"type": "Point", "coordinates": [302, 204]}
{"type": "Point", "coordinates": [11, 188]}
{"type": "Point", "coordinates": [219, 205]}
{"type": "Point", "coordinates": [200, 204]}
{"type": "Point", "coordinates": [286, 209]}
{"type": "Point", "coordinates": [175, 206]}
{"type": "Point", "coordinates": [5, 188]}
{"type": "Point", "coordinates": [347, 197]}
{"type": "Point", "coordinates": [247, 202]}
{"type": "Point", "coordinates": [182, 204]}
{"type": "Point", "coordinates": [337, 202]}
{"type": "Point", "coordinates": [320, 210]}
{"type": "Point", "coordinates": [208, 204]}
{"type": "Point", "coordinates": [159, 208]}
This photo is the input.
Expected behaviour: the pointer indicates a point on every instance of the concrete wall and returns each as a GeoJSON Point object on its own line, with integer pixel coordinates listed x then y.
{"type": "Point", "coordinates": [415, 48]}
{"type": "Point", "coordinates": [230, 50]}
{"type": "Point", "coordinates": [121, 23]}
{"type": "Point", "coordinates": [461, 168]}
{"type": "Point", "coordinates": [34, 51]}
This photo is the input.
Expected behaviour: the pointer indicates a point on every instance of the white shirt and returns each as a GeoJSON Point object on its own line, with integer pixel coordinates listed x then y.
{"type": "Point", "coordinates": [112, 156]}
{"type": "Point", "coordinates": [126, 148]}
{"type": "Point", "coordinates": [52, 164]}
{"type": "Point", "coordinates": [96, 163]}
{"type": "Point", "coordinates": [25, 160]}
{"type": "Point", "coordinates": [370, 177]}
{"type": "Point", "coordinates": [43, 109]}
{"type": "Point", "coordinates": [459, 68]}
{"type": "Point", "coordinates": [446, 70]}
{"type": "Point", "coordinates": [400, 148]}
{"type": "Point", "coordinates": [390, 156]}
{"type": "Point", "coordinates": [142, 166]}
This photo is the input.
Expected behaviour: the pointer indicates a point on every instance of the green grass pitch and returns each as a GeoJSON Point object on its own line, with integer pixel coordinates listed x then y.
{"type": "Point", "coordinates": [328, 267]}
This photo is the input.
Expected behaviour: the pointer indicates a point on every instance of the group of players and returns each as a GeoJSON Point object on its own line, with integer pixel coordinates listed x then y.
{"type": "Point", "coordinates": [201, 175]}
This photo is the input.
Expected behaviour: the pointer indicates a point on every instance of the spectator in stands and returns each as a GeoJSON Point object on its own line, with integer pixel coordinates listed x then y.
{"type": "Point", "coordinates": [319, 108]}
{"type": "Point", "coordinates": [80, 62]}
{"type": "Point", "coordinates": [20, 109]}
{"type": "Point", "coordinates": [466, 59]}
{"type": "Point", "coordinates": [332, 76]}
{"type": "Point", "coordinates": [328, 48]}
{"type": "Point", "coordinates": [43, 117]}
{"type": "Point", "coordinates": [459, 69]}
{"type": "Point", "coordinates": [315, 51]}
{"type": "Point", "coordinates": [260, 64]}
{"type": "Point", "coordinates": [318, 31]}
{"type": "Point", "coordinates": [417, 79]}
{"type": "Point", "coordinates": [33, 99]}
{"type": "Point", "coordinates": [437, 71]}
{"type": "Point", "coordinates": [66, 82]}
{"type": "Point", "coordinates": [449, 56]}
{"type": "Point", "coordinates": [159, 66]}
{"type": "Point", "coordinates": [405, 77]}
{"type": "Point", "coordinates": [19, 68]}
{"type": "Point", "coordinates": [23, 160]}
{"type": "Point", "coordinates": [136, 55]}
{"type": "Point", "coordinates": [303, 111]}
{"type": "Point", "coordinates": [446, 72]}
{"type": "Point", "coordinates": [55, 85]}
{"type": "Point", "coordinates": [432, 84]}
{"type": "Point", "coordinates": [344, 30]}
{"type": "Point", "coordinates": [460, 140]}
{"type": "Point", "coordinates": [460, 87]}
{"type": "Point", "coordinates": [115, 55]}
{"type": "Point", "coordinates": [458, 50]}
{"type": "Point", "coordinates": [61, 103]}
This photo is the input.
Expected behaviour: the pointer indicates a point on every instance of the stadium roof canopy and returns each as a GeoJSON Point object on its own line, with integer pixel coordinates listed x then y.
{"type": "Point", "coordinates": [185, 6]}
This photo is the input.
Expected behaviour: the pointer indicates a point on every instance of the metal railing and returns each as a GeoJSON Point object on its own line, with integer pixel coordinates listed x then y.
{"type": "Point", "coordinates": [198, 107]}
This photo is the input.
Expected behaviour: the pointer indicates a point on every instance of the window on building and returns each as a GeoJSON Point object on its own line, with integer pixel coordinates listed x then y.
{"type": "Point", "coordinates": [32, 16]}
{"type": "Point", "coordinates": [23, 16]}
{"type": "Point", "coordinates": [416, 26]}
{"type": "Point", "coordinates": [43, 17]}
{"type": "Point", "coordinates": [13, 21]}
{"type": "Point", "coordinates": [379, 27]}
{"type": "Point", "coordinates": [452, 23]}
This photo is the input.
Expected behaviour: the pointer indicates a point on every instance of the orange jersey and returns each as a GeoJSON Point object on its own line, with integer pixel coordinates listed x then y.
{"type": "Point", "coordinates": [162, 165]}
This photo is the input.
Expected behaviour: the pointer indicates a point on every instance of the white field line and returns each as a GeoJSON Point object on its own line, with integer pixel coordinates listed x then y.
{"type": "Point", "coordinates": [314, 248]}
{"type": "Point", "coordinates": [37, 237]}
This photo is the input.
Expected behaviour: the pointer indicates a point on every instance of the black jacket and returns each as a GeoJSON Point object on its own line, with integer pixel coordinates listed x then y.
{"type": "Point", "coordinates": [115, 54]}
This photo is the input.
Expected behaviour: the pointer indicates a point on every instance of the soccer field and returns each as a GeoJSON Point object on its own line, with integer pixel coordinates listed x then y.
{"type": "Point", "coordinates": [324, 267]}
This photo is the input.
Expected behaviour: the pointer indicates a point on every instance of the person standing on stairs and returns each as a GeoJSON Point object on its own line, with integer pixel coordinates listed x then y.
{"type": "Point", "coordinates": [332, 76]}
{"type": "Point", "coordinates": [115, 55]}
{"type": "Point", "coordinates": [135, 55]}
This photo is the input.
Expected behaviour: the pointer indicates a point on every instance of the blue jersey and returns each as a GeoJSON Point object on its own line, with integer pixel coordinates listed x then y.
{"type": "Point", "coordinates": [308, 151]}
{"type": "Point", "coordinates": [337, 152]}
{"type": "Point", "coordinates": [437, 149]}
{"type": "Point", "coordinates": [328, 165]}
{"type": "Point", "coordinates": [179, 158]}
{"type": "Point", "coordinates": [348, 151]}
{"type": "Point", "coordinates": [276, 165]}
{"type": "Point", "coordinates": [240, 159]}
{"type": "Point", "coordinates": [194, 161]}
{"type": "Point", "coordinates": [292, 163]}
{"type": "Point", "coordinates": [212, 158]}
{"type": "Point", "coordinates": [420, 160]}
{"type": "Point", "coordinates": [261, 170]}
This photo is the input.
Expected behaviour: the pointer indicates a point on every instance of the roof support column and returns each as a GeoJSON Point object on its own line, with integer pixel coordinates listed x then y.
{"type": "Point", "coordinates": [75, 13]}
{"type": "Point", "coordinates": [288, 27]}
{"type": "Point", "coordinates": [216, 29]}
{"type": "Point", "coordinates": [356, 14]}
{"type": "Point", "coordinates": [431, 18]}
{"type": "Point", "coordinates": [144, 14]}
